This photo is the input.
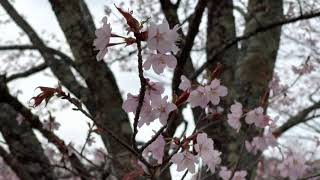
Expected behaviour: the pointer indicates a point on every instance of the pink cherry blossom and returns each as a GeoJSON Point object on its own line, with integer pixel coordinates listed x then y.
{"type": "Point", "coordinates": [20, 118]}
{"type": "Point", "coordinates": [204, 146]}
{"type": "Point", "coordinates": [159, 62]}
{"type": "Point", "coordinates": [185, 160]}
{"type": "Point", "coordinates": [154, 91]}
{"type": "Point", "coordinates": [131, 103]}
{"type": "Point", "coordinates": [147, 116]}
{"type": "Point", "coordinates": [162, 38]}
{"type": "Point", "coordinates": [239, 175]}
{"type": "Point", "coordinates": [234, 117]}
{"type": "Point", "coordinates": [198, 97]}
{"type": "Point", "coordinates": [205, 150]}
{"type": "Point", "coordinates": [261, 143]}
{"type": "Point", "coordinates": [185, 84]}
{"type": "Point", "coordinates": [163, 109]}
{"type": "Point", "coordinates": [294, 166]}
{"type": "Point", "coordinates": [214, 91]}
{"type": "Point", "coordinates": [224, 173]}
{"type": "Point", "coordinates": [257, 117]}
{"type": "Point", "coordinates": [103, 38]}
{"type": "Point", "coordinates": [51, 125]}
{"type": "Point", "coordinates": [156, 148]}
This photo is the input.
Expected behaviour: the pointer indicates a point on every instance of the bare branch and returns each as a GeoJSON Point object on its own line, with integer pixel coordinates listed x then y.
{"type": "Point", "coordinates": [250, 34]}
{"type": "Point", "coordinates": [300, 117]}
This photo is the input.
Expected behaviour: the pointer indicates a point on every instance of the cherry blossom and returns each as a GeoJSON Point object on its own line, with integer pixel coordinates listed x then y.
{"type": "Point", "coordinates": [131, 104]}
{"type": "Point", "coordinates": [239, 175]}
{"type": "Point", "coordinates": [198, 97]}
{"type": "Point", "coordinates": [185, 160]}
{"type": "Point", "coordinates": [261, 143]}
{"type": "Point", "coordinates": [159, 62]}
{"type": "Point", "coordinates": [154, 91]}
{"type": "Point", "coordinates": [20, 118]}
{"type": "Point", "coordinates": [257, 117]}
{"type": "Point", "coordinates": [156, 148]}
{"type": "Point", "coordinates": [163, 109]}
{"type": "Point", "coordinates": [224, 173]}
{"type": "Point", "coordinates": [306, 68]}
{"type": "Point", "coordinates": [50, 125]}
{"type": "Point", "coordinates": [293, 167]}
{"type": "Point", "coordinates": [205, 150]}
{"type": "Point", "coordinates": [234, 117]}
{"type": "Point", "coordinates": [214, 91]}
{"type": "Point", "coordinates": [185, 84]}
{"type": "Point", "coordinates": [162, 38]}
{"type": "Point", "coordinates": [103, 38]}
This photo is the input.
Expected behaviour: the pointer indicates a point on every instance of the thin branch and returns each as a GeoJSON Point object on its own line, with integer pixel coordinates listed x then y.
{"type": "Point", "coordinates": [250, 34]}
{"type": "Point", "coordinates": [143, 83]}
{"type": "Point", "coordinates": [28, 72]}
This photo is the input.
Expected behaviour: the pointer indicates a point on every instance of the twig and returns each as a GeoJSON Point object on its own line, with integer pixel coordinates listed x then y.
{"type": "Point", "coordinates": [143, 83]}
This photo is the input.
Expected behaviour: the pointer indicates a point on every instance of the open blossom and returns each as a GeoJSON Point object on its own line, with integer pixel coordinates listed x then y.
{"type": "Point", "coordinates": [103, 38]}
{"type": "Point", "coordinates": [50, 125]}
{"type": "Point", "coordinates": [131, 103]}
{"type": "Point", "coordinates": [185, 160]}
{"type": "Point", "coordinates": [257, 117]}
{"type": "Point", "coordinates": [224, 173]}
{"type": "Point", "coordinates": [234, 117]}
{"type": "Point", "coordinates": [239, 175]}
{"type": "Point", "coordinates": [185, 84]}
{"type": "Point", "coordinates": [214, 91]}
{"type": "Point", "coordinates": [159, 62]}
{"type": "Point", "coordinates": [261, 143]}
{"type": "Point", "coordinates": [198, 97]}
{"type": "Point", "coordinates": [293, 167]}
{"type": "Point", "coordinates": [205, 150]}
{"type": "Point", "coordinates": [154, 91]}
{"type": "Point", "coordinates": [163, 109]}
{"type": "Point", "coordinates": [162, 38]}
{"type": "Point", "coordinates": [156, 148]}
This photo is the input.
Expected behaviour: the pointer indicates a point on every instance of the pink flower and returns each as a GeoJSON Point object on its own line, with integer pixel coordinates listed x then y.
{"type": "Point", "coordinates": [154, 91]}
{"type": "Point", "coordinates": [159, 62]}
{"type": "Point", "coordinates": [198, 97]}
{"type": "Point", "coordinates": [239, 175]}
{"type": "Point", "coordinates": [261, 143]}
{"type": "Point", "coordinates": [224, 173]}
{"type": "Point", "coordinates": [204, 146]}
{"type": "Point", "coordinates": [163, 109]}
{"type": "Point", "coordinates": [257, 117]}
{"type": "Point", "coordinates": [185, 84]}
{"type": "Point", "coordinates": [234, 117]}
{"type": "Point", "coordinates": [103, 38]}
{"type": "Point", "coordinates": [147, 116]}
{"type": "Point", "coordinates": [162, 38]}
{"type": "Point", "coordinates": [293, 167]}
{"type": "Point", "coordinates": [156, 148]}
{"type": "Point", "coordinates": [185, 160]}
{"type": "Point", "coordinates": [214, 91]}
{"type": "Point", "coordinates": [20, 118]}
{"type": "Point", "coordinates": [50, 124]}
{"type": "Point", "coordinates": [205, 150]}
{"type": "Point", "coordinates": [131, 103]}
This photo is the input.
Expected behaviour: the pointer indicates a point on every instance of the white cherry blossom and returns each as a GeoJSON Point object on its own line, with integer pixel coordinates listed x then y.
{"type": "Point", "coordinates": [103, 38]}
{"type": "Point", "coordinates": [234, 117]}
{"type": "Point", "coordinates": [185, 84]}
{"type": "Point", "coordinates": [162, 38]}
{"type": "Point", "coordinates": [163, 109]}
{"type": "Point", "coordinates": [156, 148]}
{"type": "Point", "coordinates": [159, 61]}
{"type": "Point", "coordinates": [185, 160]}
{"type": "Point", "coordinates": [214, 91]}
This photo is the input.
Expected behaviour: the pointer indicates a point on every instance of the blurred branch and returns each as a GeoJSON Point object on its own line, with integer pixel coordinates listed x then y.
{"type": "Point", "coordinates": [260, 29]}
{"type": "Point", "coordinates": [15, 164]}
{"type": "Point", "coordinates": [28, 72]}
{"type": "Point", "coordinates": [300, 117]}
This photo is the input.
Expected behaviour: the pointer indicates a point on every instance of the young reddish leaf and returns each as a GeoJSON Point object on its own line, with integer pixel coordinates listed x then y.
{"type": "Point", "coordinates": [46, 94]}
{"type": "Point", "coordinates": [132, 22]}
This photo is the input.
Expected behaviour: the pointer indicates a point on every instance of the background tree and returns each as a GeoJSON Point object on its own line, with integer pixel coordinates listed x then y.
{"type": "Point", "coordinates": [245, 39]}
